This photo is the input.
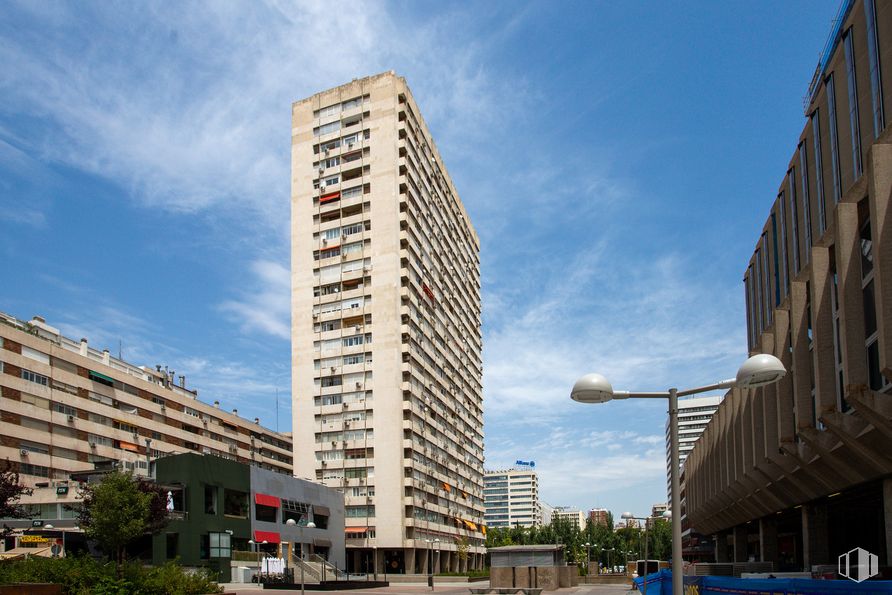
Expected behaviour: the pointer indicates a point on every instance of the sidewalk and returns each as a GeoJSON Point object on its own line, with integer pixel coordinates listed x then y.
{"type": "Point", "coordinates": [423, 589]}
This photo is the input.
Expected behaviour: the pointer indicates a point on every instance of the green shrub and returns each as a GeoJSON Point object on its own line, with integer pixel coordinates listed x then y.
{"type": "Point", "coordinates": [86, 576]}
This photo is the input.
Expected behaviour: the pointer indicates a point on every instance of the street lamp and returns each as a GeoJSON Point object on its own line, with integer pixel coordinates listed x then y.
{"type": "Point", "coordinates": [310, 525]}
{"type": "Point", "coordinates": [588, 556]}
{"type": "Point", "coordinates": [759, 370]}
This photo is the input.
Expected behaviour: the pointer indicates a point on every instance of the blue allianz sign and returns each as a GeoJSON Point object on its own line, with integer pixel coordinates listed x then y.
{"type": "Point", "coordinates": [525, 463]}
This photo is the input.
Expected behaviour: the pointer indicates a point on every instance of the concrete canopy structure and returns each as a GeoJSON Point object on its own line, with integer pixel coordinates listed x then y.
{"type": "Point", "coordinates": [386, 343]}
{"type": "Point", "coordinates": [798, 473]}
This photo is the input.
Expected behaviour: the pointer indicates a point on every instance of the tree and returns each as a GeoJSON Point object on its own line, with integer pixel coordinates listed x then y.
{"type": "Point", "coordinates": [10, 493]}
{"type": "Point", "coordinates": [462, 546]}
{"type": "Point", "coordinates": [119, 509]}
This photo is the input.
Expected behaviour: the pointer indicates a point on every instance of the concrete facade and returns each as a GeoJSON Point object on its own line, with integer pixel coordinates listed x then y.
{"type": "Point", "coordinates": [66, 406]}
{"type": "Point", "coordinates": [796, 473]}
{"type": "Point", "coordinates": [386, 342]}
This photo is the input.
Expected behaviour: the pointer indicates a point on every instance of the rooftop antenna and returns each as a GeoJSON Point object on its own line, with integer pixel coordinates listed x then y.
{"type": "Point", "coordinates": [277, 409]}
{"type": "Point", "coordinates": [120, 350]}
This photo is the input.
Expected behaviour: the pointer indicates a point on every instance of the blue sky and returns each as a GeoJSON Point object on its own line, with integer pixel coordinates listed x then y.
{"type": "Point", "coordinates": [618, 160]}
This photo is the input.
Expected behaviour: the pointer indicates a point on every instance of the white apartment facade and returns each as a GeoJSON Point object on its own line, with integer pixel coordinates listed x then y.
{"type": "Point", "coordinates": [571, 515]}
{"type": "Point", "coordinates": [66, 407]}
{"type": "Point", "coordinates": [511, 498]}
{"type": "Point", "coordinates": [386, 341]}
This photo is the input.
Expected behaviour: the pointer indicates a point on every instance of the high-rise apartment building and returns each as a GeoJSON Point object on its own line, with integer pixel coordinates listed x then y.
{"type": "Point", "coordinates": [599, 516]}
{"type": "Point", "coordinates": [511, 498]}
{"type": "Point", "coordinates": [386, 342]}
{"type": "Point", "coordinates": [66, 407]}
{"type": "Point", "coordinates": [799, 472]}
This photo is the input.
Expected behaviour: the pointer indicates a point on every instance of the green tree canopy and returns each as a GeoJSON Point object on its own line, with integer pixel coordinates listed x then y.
{"type": "Point", "coordinates": [119, 509]}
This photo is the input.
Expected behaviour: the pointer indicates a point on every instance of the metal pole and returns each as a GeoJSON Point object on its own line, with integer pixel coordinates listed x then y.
{"type": "Point", "coordinates": [677, 562]}
{"type": "Point", "coordinates": [646, 569]}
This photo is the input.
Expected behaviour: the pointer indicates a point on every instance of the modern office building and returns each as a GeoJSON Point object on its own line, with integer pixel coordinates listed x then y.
{"type": "Point", "coordinates": [694, 414]}
{"type": "Point", "coordinates": [511, 498]}
{"type": "Point", "coordinates": [571, 515]}
{"type": "Point", "coordinates": [386, 342]}
{"type": "Point", "coordinates": [800, 472]}
{"type": "Point", "coordinates": [65, 406]}
{"type": "Point", "coordinates": [599, 516]}
{"type": "Point", "coordinates": [545, 512]}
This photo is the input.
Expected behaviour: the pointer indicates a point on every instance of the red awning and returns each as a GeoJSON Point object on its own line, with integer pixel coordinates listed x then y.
{"type": "Point", "coordinates": [355, 529]}
{"type": "Point", "coordinates": [267, 500]}
{"type": "Point", "coordinates": [267, 536]}
{"type": "Point", "coordinates": [330, 197]}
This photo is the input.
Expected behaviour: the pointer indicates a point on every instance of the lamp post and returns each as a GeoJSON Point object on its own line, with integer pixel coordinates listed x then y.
{"type": "Point", "coordinates": [588, 556]}
{"type": "Point", "coordinates": [609, 565]}
{"type": "Point", "coordinates": [758, 370]}
{"type": "Point", "coordinates": [310, 525]}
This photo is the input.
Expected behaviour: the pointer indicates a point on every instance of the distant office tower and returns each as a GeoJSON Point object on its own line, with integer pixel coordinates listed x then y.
{"type": "Point", "coordinates": [545, 512]}
{"type": "Point", "coordinates": [386, 344]}
{"type": "Point", "coordinates": [599, 516]}
{"type": "Point", "coordinates": [573, 516]}
{"type": "Point", "coordinates": [657, 510]}
{"type": "Point", "coordinates": [799, 472]}
{"type": "Point", "coordinates": [511, 498]}
{"type": "Point", "coordinates": [693, 415]}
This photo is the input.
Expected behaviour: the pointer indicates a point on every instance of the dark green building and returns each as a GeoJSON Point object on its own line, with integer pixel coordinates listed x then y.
{"type": "Point", "coordinates": [209, 504]}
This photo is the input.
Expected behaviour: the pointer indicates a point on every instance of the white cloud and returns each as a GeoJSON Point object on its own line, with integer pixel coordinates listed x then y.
{"type": "Point", "coordinates": [266, 308]}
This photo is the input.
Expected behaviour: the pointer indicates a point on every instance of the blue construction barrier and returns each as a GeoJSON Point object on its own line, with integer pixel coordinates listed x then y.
{"type": "Point", "coordinates": [660, 583]}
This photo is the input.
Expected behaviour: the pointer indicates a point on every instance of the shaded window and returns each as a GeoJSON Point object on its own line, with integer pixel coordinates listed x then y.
{"type": "Point", "coordinates": [873, 59]}
{"type": "Point", "coordinates": [172, 545]}
{"type": "Point", "coordinates": [210, 499]}
{"type": "Point", "coordinates": [265, 513]}
{"type": "Point", "coordinates": [220, 545]}
{"type": "Point", "coordinates": [854, 123]}
{"type": "Point", "coordinates": [235, 503]}
{"type": "Point", "coordinates": [819, 171]}
{"type": "Point", "coordinates": [834, 141]}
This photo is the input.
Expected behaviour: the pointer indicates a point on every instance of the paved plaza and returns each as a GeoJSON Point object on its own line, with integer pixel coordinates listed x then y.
{"type": "Point", "coordinates": [442, 589]}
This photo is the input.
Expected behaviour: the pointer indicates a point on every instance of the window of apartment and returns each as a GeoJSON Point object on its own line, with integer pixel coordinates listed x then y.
{"type": "Point", "coordinates": [220, 545]}
{"type": "Point", "coordinates": [794, 218]}
{"type": "Point", "coordinates": [854, 123]}
{"type": "Point", "coordinates": [331, 381]}
{"type": "Point", "coordinates": [359, 511]}
{"type": "Point", "coordinates": [64, 409]}
{"type": "Point", "coordinates": [876, 380]}
{"type": "Point", "coordinates": [834, 140]}
{"type": "Point", "coordinates": [235, 503]}
{"type": "Point", "coordinates": [34, 447]}
{"type": "Point", "coordinates": [267, 514]}
{"type": "Point", "coordinates": [769, 311]}
{"type": "Point", "coordinates": [37, 356]}
{"type": "Point", "coordinates": [837, 345]}
{"type": "Point", "coordinates": [37, 470]}
{"type": "Point", "coordinates": [819, 170]}
{"type": "Point", "coordinates": [777, 284]}
{"type": "Point", "coordinates": [38, 402]}
{"type": "Point", "coordinates": [35, 377]}
{"type": "Point", "coordinates": [806, 204]}
{"type": "Point", "coordinates": [210, 499]}
{"type": "Point", "coordinates": [760, 313]}
{"type": "Point", "coordinates": [99, 440]}
{"type": "Point", "coordinates": [873, 59]}
{"type": "Point", "coordinates": [751, 331]}
{"type": "Point", "coordinates": [327, 128]}
{"type": "Point", "coordinates": [102, 379]}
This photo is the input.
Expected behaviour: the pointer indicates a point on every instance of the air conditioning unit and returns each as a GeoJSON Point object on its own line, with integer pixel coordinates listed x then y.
{"type": "Point", "coordinates": [315, 315]}
{"type": "Point", "coordinates": [359, 385]}
{"type": "Point", "coordinates": [357, 328]}
{"type": "Point", "coordinates": [70, 418]}
{"type": "Point", "coordinates": [23, 452]}
{"type": "Point", "coordinates": [92, 445]}
{"type": "Point", "coordinates": [163, 406]}
{"type": "Point", "coordinates": [324, 240]}
{"type": "Point", "coordinates": [343, 256]}
{"type": "Point", "coordinates": [366, 268]}
{"type": "Point", "coordinates": [333, 369]}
